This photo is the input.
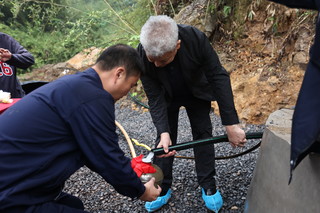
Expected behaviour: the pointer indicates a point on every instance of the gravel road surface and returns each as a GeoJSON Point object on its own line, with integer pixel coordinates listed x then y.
{"type": "Point", "coordinates": [233, 175]}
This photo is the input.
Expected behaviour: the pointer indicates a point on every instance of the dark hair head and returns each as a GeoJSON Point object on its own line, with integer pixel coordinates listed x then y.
{"type": "Point", "coordinates": [121, 55]}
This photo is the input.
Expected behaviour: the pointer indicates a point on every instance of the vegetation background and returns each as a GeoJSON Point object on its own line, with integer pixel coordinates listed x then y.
{"type": "Point", "coordinates": [55, 30]}
{"type": "Point", "coordinates": [263, 45]}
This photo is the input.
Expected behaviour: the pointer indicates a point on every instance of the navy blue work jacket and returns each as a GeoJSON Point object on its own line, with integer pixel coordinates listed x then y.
{"type": "Point", "coordinates": [306, 117]}
{"type": "Point", "coordinates": [52, 132]}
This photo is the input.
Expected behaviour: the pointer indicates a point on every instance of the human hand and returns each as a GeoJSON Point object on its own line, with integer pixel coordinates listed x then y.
{"type": "Point", "coordinates": [236, 135]}
{"type": "Point", "coordinates": [165, 142]}
{"type": "Point", "coordinates": [5, 55]}
{"type": "Point", "coordinates": [151, 193]}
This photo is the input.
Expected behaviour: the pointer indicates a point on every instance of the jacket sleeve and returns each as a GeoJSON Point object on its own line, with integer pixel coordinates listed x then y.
{"type": "Point", "coordinates": [156, 96]}
{"type": "Point", "coordinates": [93, 125]}
{"type": "Point", "coordinates": [21, 58]}
{"type": "Point", "coordinates": [219, 80]}
{"type": "Point", "coordinates": [306, 4]}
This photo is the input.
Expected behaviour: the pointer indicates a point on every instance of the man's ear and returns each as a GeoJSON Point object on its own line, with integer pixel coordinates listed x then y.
{"type": "Point", "coordinates": [120, 73]}
{"type": "Point", "coordinates": [178, 44]}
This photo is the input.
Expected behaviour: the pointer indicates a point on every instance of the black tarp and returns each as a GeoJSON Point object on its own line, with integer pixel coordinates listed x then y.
{"type": "Point", "coordinates": [29, 86]}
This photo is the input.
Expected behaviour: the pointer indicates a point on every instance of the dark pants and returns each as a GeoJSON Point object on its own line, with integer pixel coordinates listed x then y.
{"type": "Point", "coordinates": [198, 113]}
{"type": "Point", "coordinates": [65, 203]}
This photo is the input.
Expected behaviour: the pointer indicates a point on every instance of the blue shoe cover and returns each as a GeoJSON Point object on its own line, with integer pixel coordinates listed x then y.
{"type": "Point", "coordinates": [213, 202]}
{"type": "Point", "coordinates": [158, 203]}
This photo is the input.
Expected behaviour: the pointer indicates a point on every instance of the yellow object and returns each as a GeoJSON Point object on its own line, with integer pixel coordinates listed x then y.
{"type": "Point", "coordinates": [141, 144]}
{"type": "Point", "coordinates": [133, 152]}
{"type": "Point", "coordinates": [129, 141]}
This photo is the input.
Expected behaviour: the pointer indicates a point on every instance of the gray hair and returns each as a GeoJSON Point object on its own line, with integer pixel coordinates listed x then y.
{"type": "Point", "coordinates": [159, 35]}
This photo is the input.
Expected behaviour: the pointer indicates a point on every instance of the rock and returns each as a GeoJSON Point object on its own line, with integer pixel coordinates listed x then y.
{"type": "Point", "coordinates": [300, 58]}
{"type": "Point", "coordinates": [196, 14]}
{"type": "Point", "coordinates": [234, 208]}
{"type": "Point", "coordinates": [51, 72]}
{"type": "Point", "coordinates": [85, 59]}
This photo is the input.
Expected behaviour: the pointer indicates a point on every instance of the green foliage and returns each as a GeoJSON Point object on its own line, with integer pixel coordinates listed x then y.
{"type": "Point", "coordinates": [212, 8]}
{"type": "Point", "coordinates": [134, 41]}
{"type": "Point", "coordinates": [27, 12]}
{"type": "Point", "coordinates": [44, 47]}
{"type": "Point", "coordinates": [138, 13]}
{"type": "Point", "coordinates": [251, 15]}
{"type": "Point", "coordinates": [226, 11]}
{"type": "Point", "coordinates": [55, 30]}
{"type": "Point", "coordinates": [85, 31]}
{"type": "Point", "coordinates": [5, 13]}
{"type": "Point", "coordinates": [223, 7]}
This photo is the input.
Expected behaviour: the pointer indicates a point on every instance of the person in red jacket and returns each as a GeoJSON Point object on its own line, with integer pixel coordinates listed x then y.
{"type": "Point", "coordinates": [12, 56]}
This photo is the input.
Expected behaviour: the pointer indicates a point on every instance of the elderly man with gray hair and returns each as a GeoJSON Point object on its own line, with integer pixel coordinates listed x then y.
{"type": "Point", "coordinates": [182, 69]}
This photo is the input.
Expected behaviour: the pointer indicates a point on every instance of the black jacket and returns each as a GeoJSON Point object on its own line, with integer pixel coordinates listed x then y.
{"type": "Point", "coordinates": [202, 71]}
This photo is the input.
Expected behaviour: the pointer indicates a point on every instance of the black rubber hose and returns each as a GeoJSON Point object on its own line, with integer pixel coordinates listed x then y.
{"type": "Point", "coordinates": [216, 139]}
{"type": "Point", "coordinates": [226, 157]}
{"type": "Point", "coordinates": [223, 138]}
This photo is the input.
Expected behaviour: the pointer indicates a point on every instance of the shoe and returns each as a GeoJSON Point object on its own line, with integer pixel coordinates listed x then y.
{"type": "Point", "coordinates": [213, 202]}
{"type": "Point", "coordinates": [158, 203]}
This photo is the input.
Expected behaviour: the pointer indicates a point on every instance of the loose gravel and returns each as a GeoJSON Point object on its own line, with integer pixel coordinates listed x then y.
{"type": "Point", "coordinates": [233, 175]}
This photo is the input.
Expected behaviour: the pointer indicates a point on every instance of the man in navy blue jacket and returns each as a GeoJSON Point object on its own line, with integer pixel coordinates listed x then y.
{"type": "Point", "coordinates": [66, 124]}
{"type": "Point", "coordinates": [305, 135]}
{"type": "Point", "coordinates": [12, 56]}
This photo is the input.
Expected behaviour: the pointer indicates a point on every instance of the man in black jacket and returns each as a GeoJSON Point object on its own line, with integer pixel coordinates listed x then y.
{"type": "Point", "coordinates": [182, 69]}
{"type": "Point", "coordinates": [12, 56]}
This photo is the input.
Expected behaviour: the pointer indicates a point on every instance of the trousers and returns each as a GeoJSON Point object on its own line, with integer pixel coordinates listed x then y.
{"type": "Point", "coordinates": [65, 203]}
{"type": "Point", "coordinates": [198, 112]}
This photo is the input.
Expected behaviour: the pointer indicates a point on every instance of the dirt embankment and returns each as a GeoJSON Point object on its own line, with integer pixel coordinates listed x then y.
{"type": "Point", "coordinates": [266, 63]}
